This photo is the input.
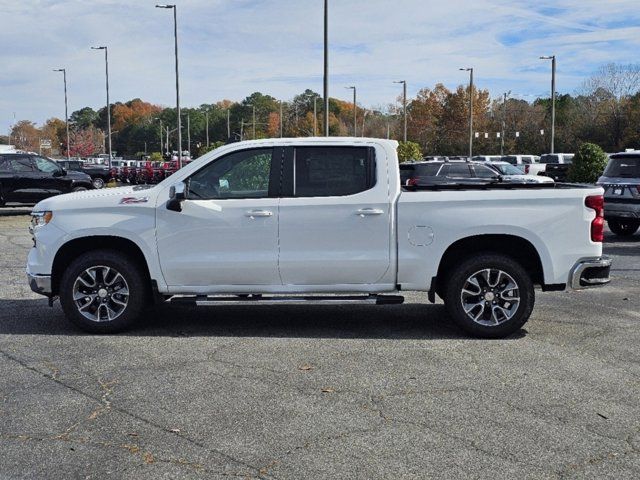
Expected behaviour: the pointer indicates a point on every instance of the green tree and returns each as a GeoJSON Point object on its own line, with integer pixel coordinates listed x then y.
{"type": "Point", "coordinates": [84, 118]}
{"type": "Point", "coordinates": [588, 164]}
{"type": "Point", "coordinates": [409, 151]}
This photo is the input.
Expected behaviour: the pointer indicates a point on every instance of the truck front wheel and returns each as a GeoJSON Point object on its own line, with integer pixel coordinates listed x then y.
{"type": "Point", "coordinates": [489, 295]}
{"type": "Point", "coordinates": [103, 291]}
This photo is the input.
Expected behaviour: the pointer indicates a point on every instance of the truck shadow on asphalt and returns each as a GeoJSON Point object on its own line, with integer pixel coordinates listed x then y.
{"type": "Point", "coordinates": [407, 321]}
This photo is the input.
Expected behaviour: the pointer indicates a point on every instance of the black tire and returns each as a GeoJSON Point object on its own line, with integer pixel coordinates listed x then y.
{"type": "Point", "coordinates": [511, 316]}
{"type": "Point", "coordinates": [623, 228]}
{"type": "Point", "coordinates": [135, 282]}
{"type": "Point", "coordinates": [98, 183]}
{"type": "Point", "coordinates": [79, 189]}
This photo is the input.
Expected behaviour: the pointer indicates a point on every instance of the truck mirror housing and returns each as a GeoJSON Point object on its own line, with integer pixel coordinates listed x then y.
{"type": "Point", "coordinates": [177, 193]}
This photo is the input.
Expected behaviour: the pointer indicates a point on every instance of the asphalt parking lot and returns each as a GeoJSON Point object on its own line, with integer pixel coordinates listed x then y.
{"type": "Point", "coordinates": [323, 392]}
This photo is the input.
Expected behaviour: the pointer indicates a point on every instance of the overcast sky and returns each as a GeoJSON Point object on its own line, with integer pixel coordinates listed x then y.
{"type": "Point", "coordinates": [231, 48]}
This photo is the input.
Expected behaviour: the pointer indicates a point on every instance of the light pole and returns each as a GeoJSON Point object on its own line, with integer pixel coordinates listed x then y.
{"type": "Point", "coordinates": [66, 109]}
{"type": "Point", "coordinates": [504, 121]}
{"type": "Point", "coordinates": [206, 118]}
{"type": "Point", "coordinates": [106, 67]}
{"type": "Point", "coordinates": [553, 99]}
{"type": "Point", "coordinates": [189, 134]}
{"type": "Point", "coordinates": [470, 70]}
{"type": "Point", "coordinates": [175, 36]}
{"type": "Point", "coordinates": [355, 126]}
{"type": "Point", "coordinates": [326, 69]}
{"type": "Point", "coordinates": [404, 106]}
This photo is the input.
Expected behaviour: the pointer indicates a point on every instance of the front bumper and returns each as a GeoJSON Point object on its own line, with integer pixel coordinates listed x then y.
{"type": "Point", "coordinates": [40, 283]}
{"type": "Point", "coordinates": [590, 272]}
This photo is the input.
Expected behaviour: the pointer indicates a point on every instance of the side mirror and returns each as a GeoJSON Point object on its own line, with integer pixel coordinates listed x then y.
{"type": "Point", "coordinates": [60, 173]}
{"type": "Point", "coordinates": [177, 193]}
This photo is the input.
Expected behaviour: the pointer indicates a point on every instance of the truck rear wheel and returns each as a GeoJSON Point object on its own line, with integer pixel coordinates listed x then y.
{"type": "Point", "coordinates": [489, 295]}
{"type": "Point", "coordinates": [103, 291]}
{"type": "Point", "coordinates": [623, 228]}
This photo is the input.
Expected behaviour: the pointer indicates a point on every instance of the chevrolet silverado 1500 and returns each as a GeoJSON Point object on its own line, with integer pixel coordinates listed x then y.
{"type": "Point", "coordinates": [314, 220]}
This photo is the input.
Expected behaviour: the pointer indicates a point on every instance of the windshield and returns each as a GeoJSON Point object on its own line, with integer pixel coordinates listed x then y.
{"type": "Point", "coordinates": [507, 169]}
{"type": "Point", "coordinates": [628, 167]}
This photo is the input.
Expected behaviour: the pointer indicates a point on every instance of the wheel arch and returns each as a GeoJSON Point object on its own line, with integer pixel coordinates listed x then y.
{"type": "Point", "coordinates": [78, 246]}
{"type": "Point", "coordinates": [516, 247]}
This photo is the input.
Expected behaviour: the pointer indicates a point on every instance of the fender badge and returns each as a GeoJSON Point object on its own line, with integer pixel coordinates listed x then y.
{"type": "Point", "coordinates": [130, 200]}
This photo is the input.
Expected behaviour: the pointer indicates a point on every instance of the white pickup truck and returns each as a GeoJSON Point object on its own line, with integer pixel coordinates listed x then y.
{"type": "Point", "coordinates": [314, 220]}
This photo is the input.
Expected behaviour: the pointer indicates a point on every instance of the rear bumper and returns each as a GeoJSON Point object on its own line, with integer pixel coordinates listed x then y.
{"type": "Point", "coordinates": [40, 283]}
{"type": "Point", "coordinates": [590, 272]}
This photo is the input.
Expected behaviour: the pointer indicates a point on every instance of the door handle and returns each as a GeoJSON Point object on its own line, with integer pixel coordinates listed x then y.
{"type": "Point", "coordinates": [369, 211]}
{"type": "Point", "coordinates": [258, 213]}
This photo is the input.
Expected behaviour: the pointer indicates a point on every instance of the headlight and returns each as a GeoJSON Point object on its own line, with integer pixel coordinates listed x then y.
{"type": "Point", "coordinates": [39, 219]}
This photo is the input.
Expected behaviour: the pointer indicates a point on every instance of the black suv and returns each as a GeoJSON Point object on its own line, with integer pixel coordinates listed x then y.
{"type": "Point", "coordinates": [99, 174]}
{"type": "Point", "coordinates": [438, 172]}
{"type": "Point", "coordinates": [29, 178]}
{"type": "Point", "coordinates": [621, 183]}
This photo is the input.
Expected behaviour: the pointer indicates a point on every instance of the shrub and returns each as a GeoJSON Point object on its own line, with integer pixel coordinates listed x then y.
{"type": "Point", "coordinates": [409, 151]}
{"type": "Point", "coordinates": [588, 164]}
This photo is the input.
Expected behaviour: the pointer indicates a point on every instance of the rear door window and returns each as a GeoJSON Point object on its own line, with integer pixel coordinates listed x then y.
{"type": "Point", "coordinates": [332, 171]}
{"type": "Point", "coordinates": [458, 170]}
{"type": "Point", "coordinates": [20, 164]}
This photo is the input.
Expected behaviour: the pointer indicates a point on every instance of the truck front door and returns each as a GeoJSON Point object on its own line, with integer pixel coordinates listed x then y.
{"type": "Point", "coordinates": [227, 231]}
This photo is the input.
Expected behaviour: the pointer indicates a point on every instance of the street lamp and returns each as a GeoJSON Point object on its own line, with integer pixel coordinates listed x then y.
{"type": "Point", "coordinates": [404, 106]}
{"type": "Point", "coordinates": [66, 110]}
{"type": "Point", "coordinates": [326, 68]}
{"type": "Point", "coordinates": [175, 37]}
{"type": "Point", "coordinates": [504, 121]}
{"type": "Point", "coordinates": [106, 66]}
{"type": "Point", "coordinates": [355, 126]}
{"type": "Point", "coordinates": [470, 70]}
{"type": "Point", "coordinates": [553, 99]}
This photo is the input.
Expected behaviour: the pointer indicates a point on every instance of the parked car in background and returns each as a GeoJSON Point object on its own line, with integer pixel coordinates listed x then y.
{"type": "Point", "coordinates": [461, 171]}
{"type": "Point", "coordinates": [99, 173]}
{"type": "Point", "coordinates": [512, 173]}
{"type": "Point", "coordinates": [29, 178]}
{"type": "Point", "coordinates": [487, 158]}
{"type": "Point", "coordinates": [438, 171]}
{"type": "Point", "coordinates": [554, 165]}
{"type": "Point", "coordinates": [621, 183]}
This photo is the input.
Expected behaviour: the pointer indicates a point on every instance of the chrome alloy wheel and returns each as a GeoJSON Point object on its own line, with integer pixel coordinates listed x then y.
{"type": "Point", "coordinates": [101, 293]}
{"type": "Point", "coordinates": [490, 297]}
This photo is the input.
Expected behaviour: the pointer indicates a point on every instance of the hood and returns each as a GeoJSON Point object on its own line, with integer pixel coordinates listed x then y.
{"type": "Point", "coordinates": [140, 195]}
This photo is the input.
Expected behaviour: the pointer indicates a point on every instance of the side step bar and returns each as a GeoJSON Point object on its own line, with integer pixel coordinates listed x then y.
{"type": "Point", "coordinates": [204, 300]}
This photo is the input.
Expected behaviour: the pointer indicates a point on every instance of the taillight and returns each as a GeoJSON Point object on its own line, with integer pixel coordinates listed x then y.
{"type": "Point", "coordinates": [596, 202]}
{"type": "Point", "coordinates": [526, 169]}
{"type": "Point", "coordinates": [412, 182]}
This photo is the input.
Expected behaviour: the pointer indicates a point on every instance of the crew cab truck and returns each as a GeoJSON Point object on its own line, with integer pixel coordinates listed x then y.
{"type": "Point", "coordinates": [314, 220]}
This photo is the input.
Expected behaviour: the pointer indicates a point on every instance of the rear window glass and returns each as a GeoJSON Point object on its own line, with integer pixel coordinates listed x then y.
{"type": "Point", "coordinates": [510, 159]}
{"type": "Point", "coordinates": [628, 167]}
{"type": "Point", "coordinates": [549, 159]}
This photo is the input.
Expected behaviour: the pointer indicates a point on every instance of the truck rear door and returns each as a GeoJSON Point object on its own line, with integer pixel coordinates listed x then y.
{"type": "Point", "coordinates": [335, 217]}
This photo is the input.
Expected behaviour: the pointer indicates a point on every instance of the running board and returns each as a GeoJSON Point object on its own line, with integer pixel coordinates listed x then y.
{"type": "Point", "coordinates": [204, 301]}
